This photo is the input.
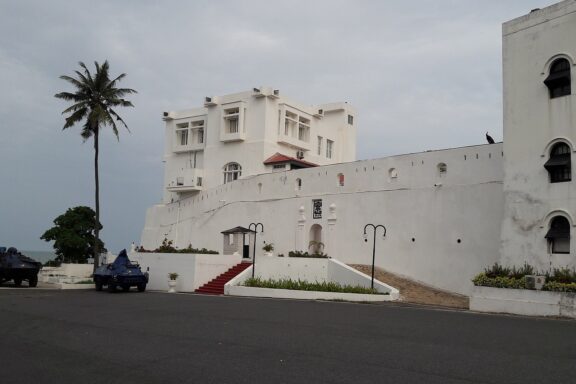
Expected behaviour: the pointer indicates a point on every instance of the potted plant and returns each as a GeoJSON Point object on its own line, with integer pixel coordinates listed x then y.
{"type": "Point", "coordinates": [172, 276]}
{"type": "Point", "coordinates": [268, 248]}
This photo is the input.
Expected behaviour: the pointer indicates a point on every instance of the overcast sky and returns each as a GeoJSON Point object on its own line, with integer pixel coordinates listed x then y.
{"type": "Point", "coordinates": [423, 74]}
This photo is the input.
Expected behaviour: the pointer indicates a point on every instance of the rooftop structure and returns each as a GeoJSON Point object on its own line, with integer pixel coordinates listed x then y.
{"type": "Point", "coordinates": [244, 134]}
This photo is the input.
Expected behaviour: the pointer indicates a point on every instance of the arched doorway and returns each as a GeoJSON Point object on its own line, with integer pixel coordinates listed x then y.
{"type": "Point", "coordinates": [315, 244]}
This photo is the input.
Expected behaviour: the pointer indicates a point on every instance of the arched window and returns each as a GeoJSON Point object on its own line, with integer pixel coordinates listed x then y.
{"type": "Point", "coordinates": [232, 171]}
{"type": "Point", "coordinates": [559, 165]}
{"type": "Point", "coordinates": [558, 81]}
{"type": "Point", "coordinates": [559, 235]}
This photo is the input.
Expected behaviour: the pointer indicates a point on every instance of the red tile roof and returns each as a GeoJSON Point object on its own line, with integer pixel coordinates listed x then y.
{"type": "Point", "coordinates": [278, 158]}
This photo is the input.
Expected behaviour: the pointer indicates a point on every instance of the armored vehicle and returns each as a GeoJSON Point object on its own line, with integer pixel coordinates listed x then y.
{"type": "Point", "coordinates": [121, 273]}
{"type": "Point", "coordinates": [15, 266]}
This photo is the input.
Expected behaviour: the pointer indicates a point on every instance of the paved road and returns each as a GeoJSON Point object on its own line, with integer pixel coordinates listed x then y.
{"type": "Point", "coordinates": [81, 337]}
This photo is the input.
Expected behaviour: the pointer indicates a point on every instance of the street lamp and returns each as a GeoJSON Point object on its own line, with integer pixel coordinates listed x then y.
{"type": "Point", "coordinates": [375, 228]}
{"type": "Point", "coordinates": [254, 250]}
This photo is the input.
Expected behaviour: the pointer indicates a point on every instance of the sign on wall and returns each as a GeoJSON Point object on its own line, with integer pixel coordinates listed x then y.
{"type": "Point", "coordinates": [317, 208]}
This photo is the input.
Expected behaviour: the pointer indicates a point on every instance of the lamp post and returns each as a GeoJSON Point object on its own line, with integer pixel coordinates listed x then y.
{"type": "Point", "coordinates": [375, 228]}
{"type": "Point", "coordinates": [254, 250]}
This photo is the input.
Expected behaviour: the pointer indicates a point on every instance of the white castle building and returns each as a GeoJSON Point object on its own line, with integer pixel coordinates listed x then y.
{"type": "Point", "coordinates": [259, 157]}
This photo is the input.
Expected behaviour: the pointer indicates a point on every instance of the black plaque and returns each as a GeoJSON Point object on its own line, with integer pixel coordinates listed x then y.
{"type": "Point", "coordinates": [317, 209]}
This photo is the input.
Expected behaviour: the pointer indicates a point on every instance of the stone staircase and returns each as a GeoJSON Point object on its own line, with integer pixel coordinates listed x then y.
{"type": "Point", "coordinates": [216, 286]}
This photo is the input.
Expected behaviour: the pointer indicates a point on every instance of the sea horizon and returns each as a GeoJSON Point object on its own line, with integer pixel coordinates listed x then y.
{"type": "Point", "coordinates": [41, 256]}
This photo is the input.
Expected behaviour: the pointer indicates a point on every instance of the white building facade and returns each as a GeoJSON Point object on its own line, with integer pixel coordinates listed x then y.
{"type": "Point", "coordinates": [448, 213]}
{"type": "Point", "coordinates": [244, 134]}
{"type": "Point", "coordinates": [539, 57]}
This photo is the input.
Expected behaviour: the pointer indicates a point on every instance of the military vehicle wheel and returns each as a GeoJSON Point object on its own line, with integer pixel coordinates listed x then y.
{"type": "Point", "coordinates": [17, 282]}
{"type": "Point", "coordinates": [125, 288]}
{"type": "Point", "coordinates": [98, 285]}
{"type": "Point", "coordinates": [33, 281]}
{"type": "Point", "coordinates": [141, 287]}
{"type": "Point", "coordinates": [112, 287]}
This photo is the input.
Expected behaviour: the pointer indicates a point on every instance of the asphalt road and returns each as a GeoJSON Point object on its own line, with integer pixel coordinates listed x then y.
{"type": "Point", "coordinates": [85, 337]}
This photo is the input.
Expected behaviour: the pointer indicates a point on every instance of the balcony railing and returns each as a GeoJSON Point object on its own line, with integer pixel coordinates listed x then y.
{"type": "Point", "coordinates": [188, 180]}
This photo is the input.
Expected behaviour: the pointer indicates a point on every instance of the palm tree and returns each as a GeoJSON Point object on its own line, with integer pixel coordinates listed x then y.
{"type": "Point", "coordinates": [93, 102]}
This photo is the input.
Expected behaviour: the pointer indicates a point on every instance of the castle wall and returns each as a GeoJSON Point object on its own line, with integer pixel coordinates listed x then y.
{"type": "Point", "coordinates": [442, 227]}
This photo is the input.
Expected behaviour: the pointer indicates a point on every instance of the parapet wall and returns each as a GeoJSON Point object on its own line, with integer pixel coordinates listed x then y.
{"type": "Point", "coordinates": [442, 211]}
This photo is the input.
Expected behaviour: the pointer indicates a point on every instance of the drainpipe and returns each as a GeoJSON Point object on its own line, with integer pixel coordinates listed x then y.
{"type": "Point", "coordinates": [177, 222]}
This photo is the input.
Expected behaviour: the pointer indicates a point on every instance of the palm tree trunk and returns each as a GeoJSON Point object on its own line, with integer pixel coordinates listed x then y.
{"type": "Point", "coordinates": [97, 203]}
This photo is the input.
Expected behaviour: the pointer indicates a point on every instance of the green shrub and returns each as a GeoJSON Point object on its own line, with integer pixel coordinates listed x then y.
{"type": "Point", "coordinates": [301, 285]}
{"type": "Point", "coordinates": [562, 275]}
{"type": "Point", "coordinates": [498, 276]}
{"type": "Point", "coordinates": [499, 281]}
{"type": "Point", "coordinates": [268, 247]}
{"type": "Point", "coordinates": [524, 270]}
{"type": "Point", "coordinates": [559, 287]}
{"type": "Point", "coordinates": [497, 270]}
{"type": "Point", "coordinates": [317, 255]}
{"type": "Point", "coordinates": [167, 247]}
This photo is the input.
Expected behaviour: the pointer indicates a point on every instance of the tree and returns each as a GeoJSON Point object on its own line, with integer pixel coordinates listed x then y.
{"type": "Point", "coordinates": [93, 102]}
{"type": "Point", "coordinates": [74, 235]}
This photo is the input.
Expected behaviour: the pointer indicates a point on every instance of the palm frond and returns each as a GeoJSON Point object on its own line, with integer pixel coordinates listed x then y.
{"type": "Point", "coordinates": [86, 71]}
{"type": "Point", "coordinates": [72, 80]}
{"type": "Point", "coordinates": [118, 118]}
{"type": "Point", "coordinates": [75, 117]}
{"type": "Point", "coordinates": [92, 101]}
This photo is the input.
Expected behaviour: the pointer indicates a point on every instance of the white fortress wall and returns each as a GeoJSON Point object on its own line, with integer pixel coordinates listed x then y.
{"type": "Point", "coordinates": [424, 210]}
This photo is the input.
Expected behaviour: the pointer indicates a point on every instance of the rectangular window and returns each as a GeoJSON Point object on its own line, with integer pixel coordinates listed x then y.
{"type": "Point", "coordinates": [183, 137]}
{"type": "Point", "coordinates": [278, 167]}
{"type": "Point", "coordinates": [182, 133]}
{"type": "Point", "coordinates": [319, 150]}
{"type": "Point", "coordinates": [303, 129]}
{"type": "Point", "coordinates": [301, 132]}
{"type": "Point", "coordinates": [329, 145]}
{"type": "Point", "coordinates": [199, 182]}
{"type": "Point", "coordinates": [290, 121]}
{"type": "Point", "coordinates": [350, 119]}
{"type": "Point", "coordinates": [232, 120]}
{"type": "Point", "coordinates": [233, 126]}
{"type": "Point", "coordinates": [197, 132]}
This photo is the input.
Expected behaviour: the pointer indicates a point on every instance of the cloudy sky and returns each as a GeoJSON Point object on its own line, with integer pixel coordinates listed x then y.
{"type": "Point", "coordinates": [423, 74]}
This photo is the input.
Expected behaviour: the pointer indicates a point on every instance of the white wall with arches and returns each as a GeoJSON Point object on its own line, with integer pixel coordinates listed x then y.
{"type": "Point", "coordinates": [537, 120]}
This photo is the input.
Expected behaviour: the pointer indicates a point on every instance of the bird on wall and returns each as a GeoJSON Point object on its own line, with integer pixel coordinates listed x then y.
{"type": "Point", "coordinates": [489, 138]}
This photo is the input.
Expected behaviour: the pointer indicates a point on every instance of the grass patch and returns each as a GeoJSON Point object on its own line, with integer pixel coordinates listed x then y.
{"type": "Point", "coordinates": [300, 285]}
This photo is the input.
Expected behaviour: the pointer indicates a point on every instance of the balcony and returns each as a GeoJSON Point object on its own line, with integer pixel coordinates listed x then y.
{"type": "Point", "coordinates": [294, 142]}
{"type": "Point", "coordinates": [189, 147]}
{"type": "Point", "coordinates": [187, 180]}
